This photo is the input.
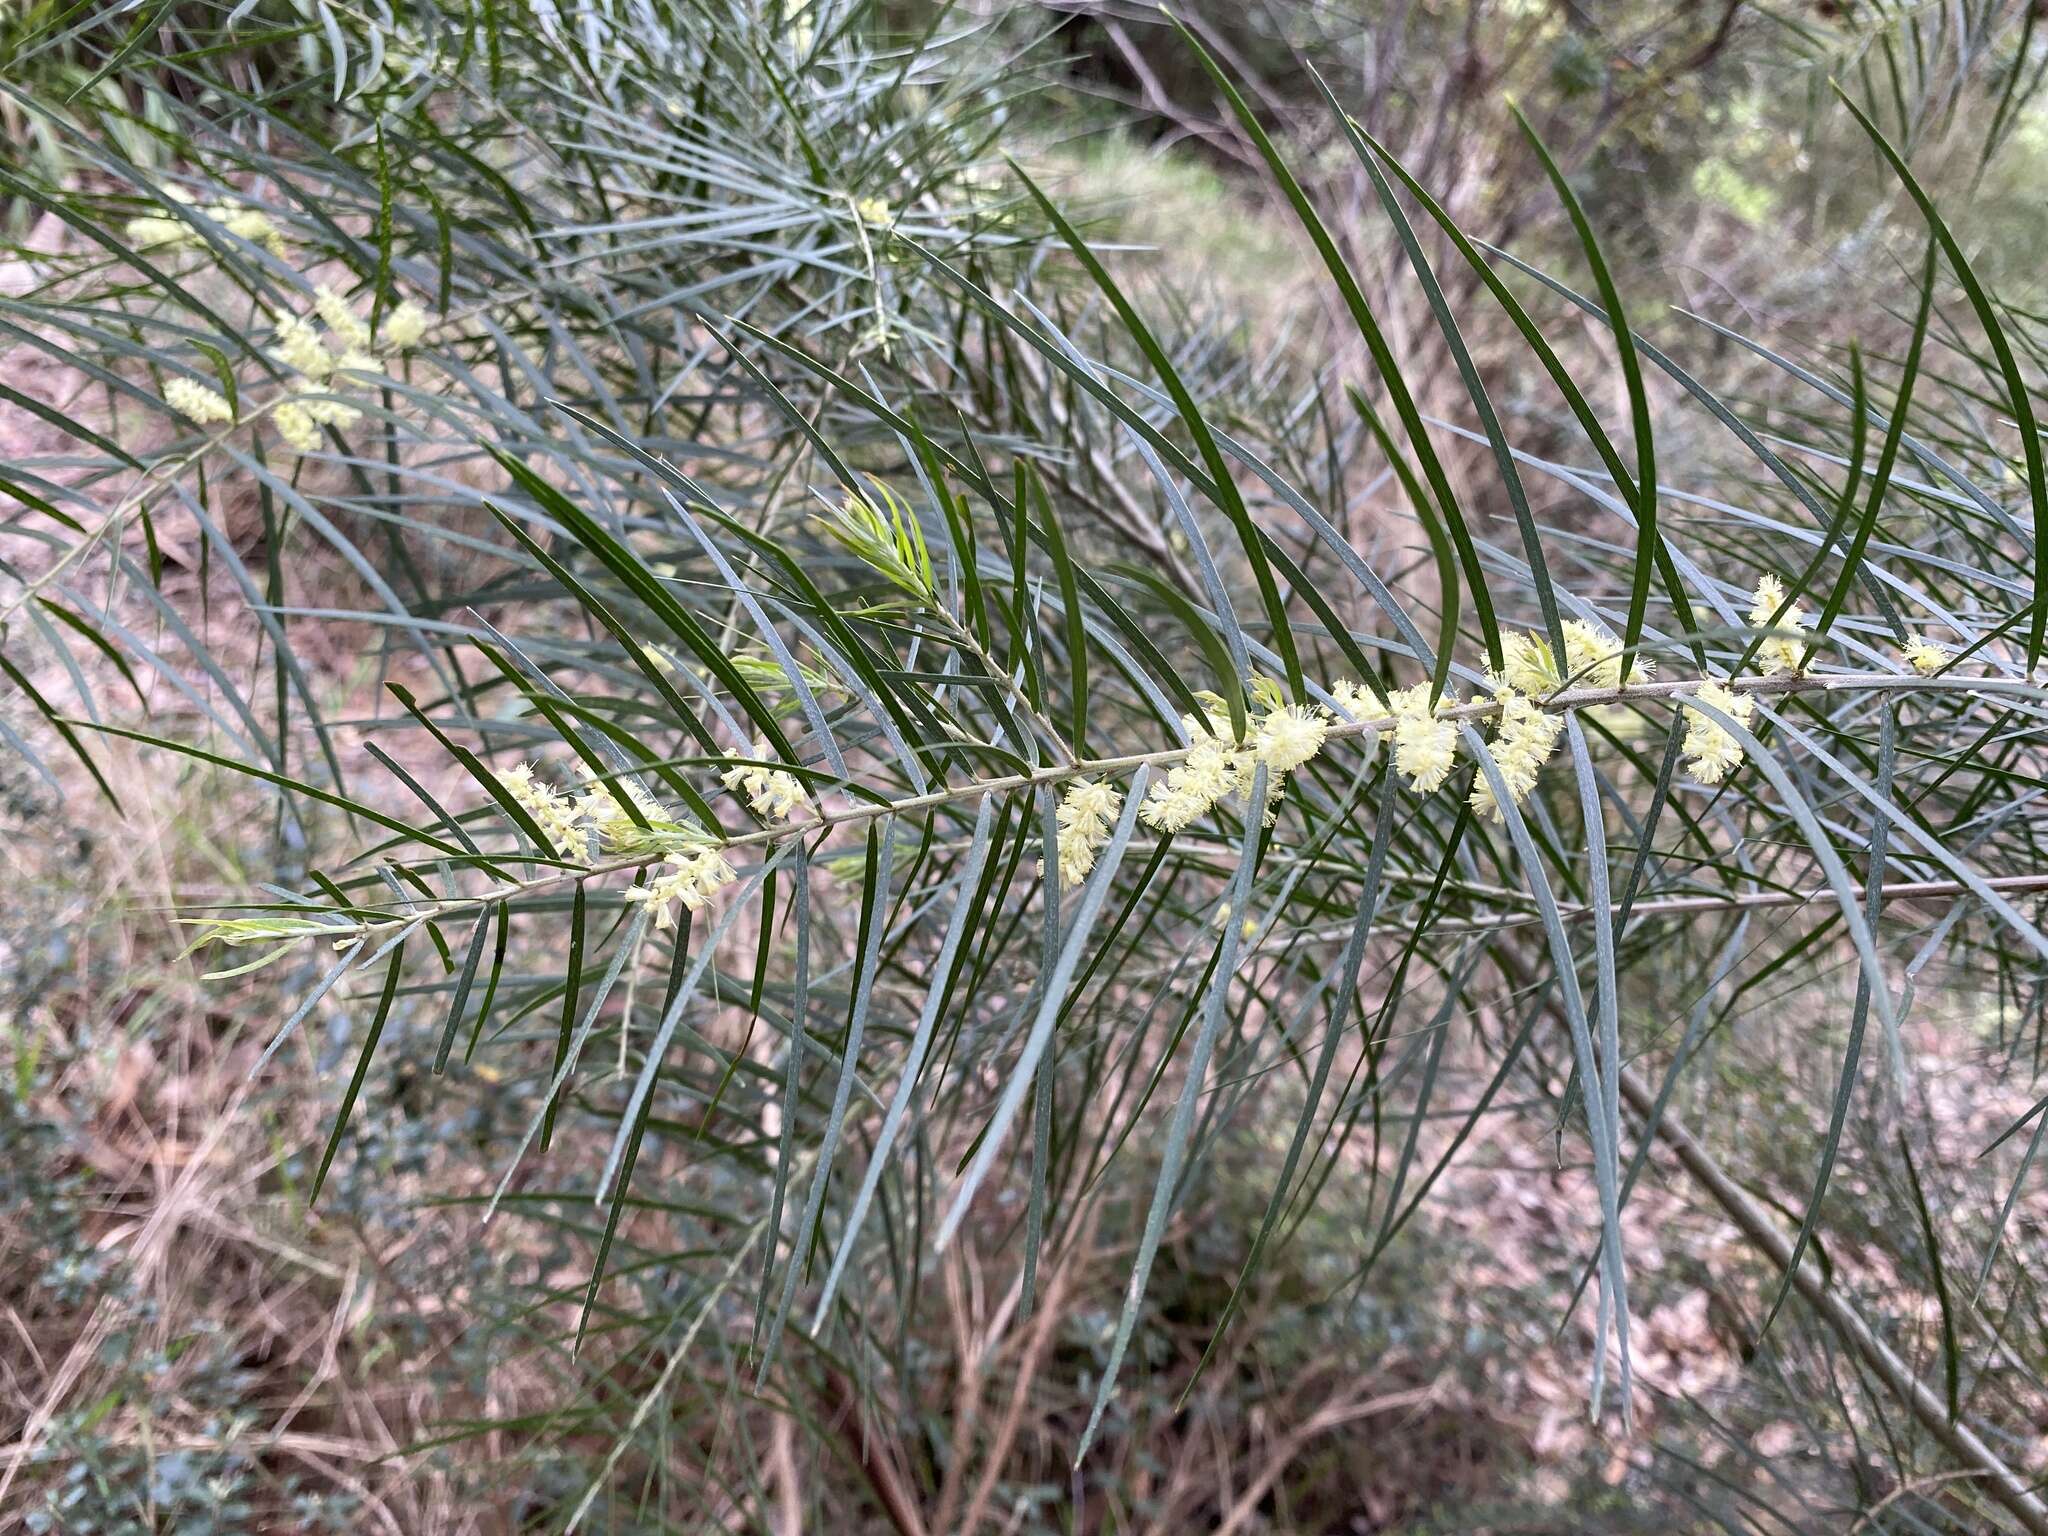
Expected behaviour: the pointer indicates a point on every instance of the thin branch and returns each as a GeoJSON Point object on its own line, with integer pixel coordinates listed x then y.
{"type": "Point", "coordinates": [1900, 890]}
{"type": "Point", "coordinates": [1109, 767]}
{"type": "Point", "coordinates": [2012, 1491]}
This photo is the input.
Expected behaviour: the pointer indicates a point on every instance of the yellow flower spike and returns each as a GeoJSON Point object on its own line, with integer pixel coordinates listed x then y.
{"type": "Point", "coordinates": [1425, 746]}
{"type": "Point", "coordinates": [1925, 656]}
{"type": "Point", "coordinates": [1781, 651]}
{"type": "Point", "coordinates": [1710, 751]}
{"type": "Point", "coordinates": [1085, 813]}
{"type": "Point", "coordinates": [774, 794]}
{"type": "Point", "coordinates": [196, 402]}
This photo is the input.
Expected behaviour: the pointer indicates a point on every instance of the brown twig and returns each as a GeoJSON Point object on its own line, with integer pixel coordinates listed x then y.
{"type": "Point", "coordinates": [898, 1502]}
{"type": "Point", "coordinates": [2012, 1492]}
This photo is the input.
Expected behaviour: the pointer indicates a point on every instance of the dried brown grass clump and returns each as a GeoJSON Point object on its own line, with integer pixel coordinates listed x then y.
{"type": "Point", "coordinates": [170, 1305]}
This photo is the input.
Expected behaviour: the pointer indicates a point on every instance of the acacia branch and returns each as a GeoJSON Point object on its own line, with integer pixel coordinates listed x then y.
{"type": "Point", "coordinates": [1739, 901]}
{"type": "Point", "coordinates": [1114, 767]}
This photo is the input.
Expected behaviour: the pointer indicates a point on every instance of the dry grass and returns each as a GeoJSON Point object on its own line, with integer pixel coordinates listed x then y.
{"type": "Point", "coordinates": [168, 1294]}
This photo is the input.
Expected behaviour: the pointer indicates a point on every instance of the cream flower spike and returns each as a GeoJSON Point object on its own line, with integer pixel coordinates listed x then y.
{"type": "Point", "coordinates": [403, 327]}
{"type": "Point", "coordinates": [603, 804]}
{"type": "Point", "coordinates": [347, 325]}
{"type": "Point", "coordinates": [1593, 658]}
{"type": "Point", "coordinates": [1425, 747]}
{"type": "Point", "coordinates": [1354, 699]}
{"type": "Point", "coordinates": [1527, 665]}
{"type": "Point", "coordinates": [1290, 736]}
{"type": "Point", "coordinates": [692, 880]}
{"type": "Point", "coordinates": [327, 410]}
{"type": "Point", "coordinates": [196, 402]}
{"type": "Point", "coordinates": [251, 224]}
{"type": "Point", "coordinates": [296, 426]}
{"type": "Point", "coordinates": [1085, 813]}
{"type": "Point", "coordinates": [1213, 768]}
{"type": "Point", "coordinates": [1524, 736]}
{"type": "Point", "coordinates": [1780, 652]}
{"type": "Point", "coordinates": [153, 229]}
{"type": "Point", "coordinates": [1710, 751]}
{"type": "Point", "coordinates": [1925, 656]}
{"type": "Point", "coordinates": [775, 794]}
{"type": "Point", "coordinates": [299, 348]}
{"type": "Point", "coordinates": [553, 812]}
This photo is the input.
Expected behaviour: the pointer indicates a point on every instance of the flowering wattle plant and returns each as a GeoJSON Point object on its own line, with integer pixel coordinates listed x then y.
{"type": "Point", "coordinates": [879, 761]}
